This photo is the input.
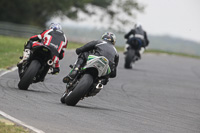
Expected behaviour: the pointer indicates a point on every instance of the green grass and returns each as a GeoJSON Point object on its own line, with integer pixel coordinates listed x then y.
{"type": "Point", "coordinates": [73, 45]}
{"type": "Point", "coordinates": [172, 53]}
{"type": "Point", "coordinates": [11, 128]}
{"type": "Point", "coordinates": [10, 50]}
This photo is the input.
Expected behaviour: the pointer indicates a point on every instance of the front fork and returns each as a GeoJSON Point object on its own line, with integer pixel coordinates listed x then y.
{"type": "Point", "coordinates": [22, 68]}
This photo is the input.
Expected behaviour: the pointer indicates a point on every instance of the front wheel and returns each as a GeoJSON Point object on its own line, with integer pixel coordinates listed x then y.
{"type": "Point", "coordinates": [80, 90]}
{"type": "Point", "coordinates": [28, 76]}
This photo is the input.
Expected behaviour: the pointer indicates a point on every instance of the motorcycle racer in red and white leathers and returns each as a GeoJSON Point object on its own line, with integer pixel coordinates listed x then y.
{"type": "Point", "coordinates": [53, 36]}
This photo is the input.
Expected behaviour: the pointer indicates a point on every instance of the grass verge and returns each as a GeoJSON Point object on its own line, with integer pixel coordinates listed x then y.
{"type": "Point", "coordinates": [7, 127]}
{"type": "Point", "coordinates": [172, 53]}
{"type": "Point", "coordinates": [10, 50]}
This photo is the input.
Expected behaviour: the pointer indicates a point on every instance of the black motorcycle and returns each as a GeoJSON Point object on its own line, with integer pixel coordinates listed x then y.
{"type": "Point", "coordinates": [88, 82]}
{"type": "Point", "coordinates": [35, 68]}
{"type": "Point", "coordinates": [132, 54]}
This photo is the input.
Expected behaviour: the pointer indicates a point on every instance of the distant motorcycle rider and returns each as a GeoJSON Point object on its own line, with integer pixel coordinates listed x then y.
{"type": "Point", "coordinates": [53, 36]}
{"type": "Point", "coordinates": [139, 40]}
{"type": "Point", "coordinates": [104, 47]}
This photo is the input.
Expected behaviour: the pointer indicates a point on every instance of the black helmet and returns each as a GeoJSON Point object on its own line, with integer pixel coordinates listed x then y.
{"type": "Point", "coordinates": [109, 36]}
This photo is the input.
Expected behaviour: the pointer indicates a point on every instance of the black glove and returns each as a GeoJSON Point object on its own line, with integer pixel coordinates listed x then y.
{"type": "Point", "coordinates": [78, 51]}
{"type": "Point", "coordinates": [55, 71]}
{"type": "Point", "coordinates": [61, 55]}
{"type": "Point", "coordinates": [113, 73]}
{"type": "Point", "coordinates": [28, 44]}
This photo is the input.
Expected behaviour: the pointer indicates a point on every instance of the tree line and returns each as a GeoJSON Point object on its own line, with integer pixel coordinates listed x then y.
{"type": "Point", "coordinates": [38, 12]}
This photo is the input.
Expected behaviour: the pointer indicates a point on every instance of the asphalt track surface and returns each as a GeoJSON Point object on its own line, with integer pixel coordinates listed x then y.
{"type": "Point", "coordinates": [161, 94]}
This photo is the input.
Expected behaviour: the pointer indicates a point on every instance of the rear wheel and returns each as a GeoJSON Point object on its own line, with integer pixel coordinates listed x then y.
{"type": "Point", "coordinates": [129, 58]}
{"type": "Point", "coordinates": [80, 90]}
{"type": "Point", "coordinates": [28, 76]}
{"type": "Point", "coordinates": [62, 99]}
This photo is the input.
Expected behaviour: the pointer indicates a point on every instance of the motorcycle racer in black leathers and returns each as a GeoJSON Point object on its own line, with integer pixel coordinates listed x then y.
{"type": "Point", "coordinates": [104, 47]}
{"type": "Point", "coordinates": [139, 40]}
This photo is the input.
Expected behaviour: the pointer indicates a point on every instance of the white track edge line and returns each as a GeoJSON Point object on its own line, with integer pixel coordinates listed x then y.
{"type": "Point", "coordinates": [13, 69]}
{"type": "Point", "coordinates": [20, 122]}
{"type": "Point", "coordinates": [14, 119]}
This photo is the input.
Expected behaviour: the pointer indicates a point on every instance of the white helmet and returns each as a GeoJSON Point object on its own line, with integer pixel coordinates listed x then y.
{"type": "Point", "coordinates": [137, 25]}
{"type": "Point", "coordinates": [109, 36]}
{"type": "Point", "coordinates": [56, 26]}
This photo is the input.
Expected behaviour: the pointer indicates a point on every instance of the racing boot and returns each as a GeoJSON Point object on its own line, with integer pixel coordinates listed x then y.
{"type": "Point", "coordinates": [55, 70]}
{"type": "Point", "coordinates": [71, 75]}
{"type": "Point", "coordinates": [56, 67]}
{"type": "Point", "coordinates": [26, 55]}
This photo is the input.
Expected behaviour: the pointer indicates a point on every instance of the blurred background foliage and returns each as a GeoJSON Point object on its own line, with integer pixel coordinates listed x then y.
{"type": "Point", "coordinates": [39, 12]}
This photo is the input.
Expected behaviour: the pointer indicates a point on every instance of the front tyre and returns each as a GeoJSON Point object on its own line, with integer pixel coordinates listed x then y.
{"type": "Point", "coordinates": [30, 73]}
{"type": "Point", "coordinates": [80, 90]}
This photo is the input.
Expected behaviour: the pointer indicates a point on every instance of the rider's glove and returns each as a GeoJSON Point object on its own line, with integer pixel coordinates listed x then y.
{"type": "Point", "coordinates": [78, 51]}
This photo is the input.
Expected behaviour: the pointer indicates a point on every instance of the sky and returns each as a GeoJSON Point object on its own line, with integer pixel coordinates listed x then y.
{"type": "Point", "coordinates": [179, 18]}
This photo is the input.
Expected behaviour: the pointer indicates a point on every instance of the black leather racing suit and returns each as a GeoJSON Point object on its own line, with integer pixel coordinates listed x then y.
{"type": "Point", "coordinates": [138, 40]}
{"type": "Point", "coordinates": [99, 48]}
{"type": "Point", "coordinates": [139, 34]}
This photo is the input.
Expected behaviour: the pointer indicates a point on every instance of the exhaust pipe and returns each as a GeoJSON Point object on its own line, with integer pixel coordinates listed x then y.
{"type": "Point", "coordinates": [50, 62]}
{"type": "Point", "coordinates": [99, 86]}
